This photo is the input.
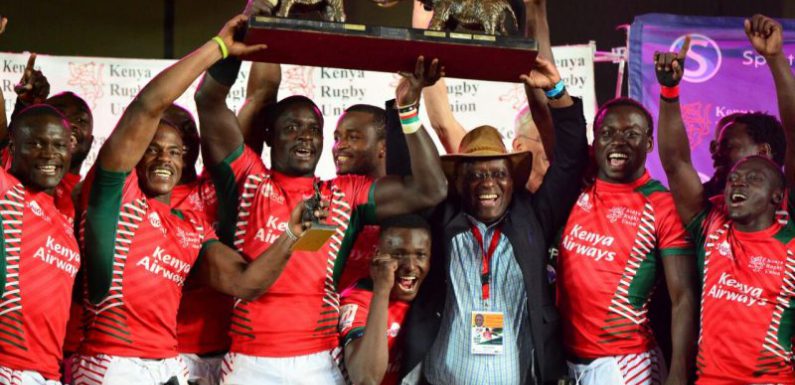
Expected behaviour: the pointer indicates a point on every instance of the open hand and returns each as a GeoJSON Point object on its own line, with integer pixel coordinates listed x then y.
{"type": "Point", "coordinates": [544, 76]}
{"type": "Point", "coordinates": [33, 88]}
{"type": "Point", "coordinates": [670, 66]}
{"type": "Point", "coordinates": [237, 48]}
{"type": "Point", "coordinates": [410, 86]}
{"type": "Point", "coordinates": [765, 34]}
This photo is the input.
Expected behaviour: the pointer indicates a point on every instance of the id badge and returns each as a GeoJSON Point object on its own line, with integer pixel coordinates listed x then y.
{"type": "Point", "coordinates": [486, 332]}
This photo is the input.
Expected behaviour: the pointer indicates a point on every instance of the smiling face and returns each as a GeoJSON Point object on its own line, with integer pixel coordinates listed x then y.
{"type": "Point", "coordinates": [160, 168]}
{"type": "Point", "coordinates": [753, 192]}
{"type": "Point", "coordinates": [42, 151]}
{"type": "Point", "coordinates": [412, 249]}
{"type": "Point", "coordinates": [297, 140]}
{"type": "Point", "coordinates": [81, 123]}
{"type": "Point", "coordinates": [485, 188]}
{"type": "Point", "coordinates": [357, 149]}
{"type": "Point", "coordinates": [621, 142]}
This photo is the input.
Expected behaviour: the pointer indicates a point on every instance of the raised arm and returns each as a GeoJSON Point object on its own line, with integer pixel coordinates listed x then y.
{"type": "Point", "coordinates": [262, 90]}
{"type": "Point", "coordinates": [560, 187]}
{"type": "Point", "coordinates": [3, 118]}
{"type": "Point", "coordinates": [537, 27]}
{"type": "Point", "coordinates": [440, 115]}
{"type": "Point", "coordinates": [427, 186]}
{"type": "Point", "coordinates": [766, 35]}
{"type": "Point", "coordinates": [137, 126]}
{"type": "Point", "coordinates": [674, 146]}
{"type": "Point", "coordinates": [366, 358]}
{"type": "Point", "coordinates": [228, 272]}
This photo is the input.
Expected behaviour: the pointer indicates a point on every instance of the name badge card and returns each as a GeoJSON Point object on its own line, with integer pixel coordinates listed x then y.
{"type": "Point", "coordinates": [487, 332]}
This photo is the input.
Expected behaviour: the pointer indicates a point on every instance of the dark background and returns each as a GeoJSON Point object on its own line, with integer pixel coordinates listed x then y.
{"type": "Point", "coordinates": [171, 28]}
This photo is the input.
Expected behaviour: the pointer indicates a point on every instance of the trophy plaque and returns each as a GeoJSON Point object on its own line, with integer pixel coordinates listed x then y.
{"type": "Point", "coordinates": [318, 233]}
{"type": "Point", "coordinates": [387, 49]}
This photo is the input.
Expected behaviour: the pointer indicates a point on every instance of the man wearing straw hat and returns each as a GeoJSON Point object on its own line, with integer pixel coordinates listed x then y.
{"type": "Point", "coordinates": [492, 244]}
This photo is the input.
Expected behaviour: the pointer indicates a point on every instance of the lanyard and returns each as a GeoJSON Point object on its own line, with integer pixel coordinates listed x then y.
{"type": "Point", "coordinates": [485, 271]}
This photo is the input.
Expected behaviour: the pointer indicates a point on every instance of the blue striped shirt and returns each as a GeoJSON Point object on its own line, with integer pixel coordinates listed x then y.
{"type": "Point", "coordinates": [449, 360]}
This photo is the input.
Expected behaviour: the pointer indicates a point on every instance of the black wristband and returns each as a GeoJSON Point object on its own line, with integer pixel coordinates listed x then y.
{"type": "Point", "coordinates": [669, 100]}
{"type": "Point", "coordinates": [225, 71]}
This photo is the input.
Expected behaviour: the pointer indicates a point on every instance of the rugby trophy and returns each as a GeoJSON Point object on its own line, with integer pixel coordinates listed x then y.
{"type": "Point", "coordinates": [316, 235]}
{"type": "Point", "coordinates": [487, 54]}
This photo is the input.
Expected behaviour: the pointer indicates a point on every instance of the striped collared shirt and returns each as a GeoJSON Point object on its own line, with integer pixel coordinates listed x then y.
{"type": "Point", "coordinates": [449, 360]}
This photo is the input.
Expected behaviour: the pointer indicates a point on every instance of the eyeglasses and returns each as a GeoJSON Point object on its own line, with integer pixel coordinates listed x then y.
{"type": "Point", "coordinates": [482, 176]}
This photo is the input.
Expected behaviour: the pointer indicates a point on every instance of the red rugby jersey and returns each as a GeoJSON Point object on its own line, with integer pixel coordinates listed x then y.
{"type": "Point", "coordinates": [63, 195]}
{"type": "Point", "coordinates": [203, 317]}
{"type": "Point", "coordinates": [747, 301]}
{"type": "Point", "coordinates": [299, 313]}
{"type": "Point", "coordinates": [139, 252]}
{"type": "Point", "coordinates": [358, 265]}
{"type": "Point", "coordinates": [39, 259]}
{"type": "Point", "coordinates": [609, 263]}
{"type": "Point", "coordinates": [354, 308]}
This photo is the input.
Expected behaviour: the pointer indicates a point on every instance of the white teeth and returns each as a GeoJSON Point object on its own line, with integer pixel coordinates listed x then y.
{"type": "Point", "coordinates": [617, 155]}
{"type": "Point", "coordinates": [738, 197]}
{"type": "Point", "coordinates": [163, 172]}
{"type": "Point", "coordinates": [409, 278]}
{"type": "Point", "coordinates": [49, 169]}
{"type": "Point", "coordinates": [487, 196]}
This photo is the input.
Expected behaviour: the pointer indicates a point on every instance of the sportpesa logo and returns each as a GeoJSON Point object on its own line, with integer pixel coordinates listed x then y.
{"type": "Point", "coordinates": [704, 58]}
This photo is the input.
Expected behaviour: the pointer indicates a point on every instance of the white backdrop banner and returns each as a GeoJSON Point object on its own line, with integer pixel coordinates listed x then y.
{"type": "Point", "coordinates": [109, 84]}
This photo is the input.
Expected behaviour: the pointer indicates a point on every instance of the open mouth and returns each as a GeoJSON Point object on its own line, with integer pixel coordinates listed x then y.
{"type": "Point", "coordinates": [617, 159]}
{"type": "Point", "coordinates": [303, 153]}
{"type": "Point", "coordinates": [162, 173]}
{"type": "Point", "coordinates": [339, 159]}
{"type": "Point", "coordinates": [737, 198]}
{"type": "Point", "coordinates": [407, 283]}
{"type": "Point", "coordinates": [47, 169]}
{"type": "Point", "coordinates": [488, 200]}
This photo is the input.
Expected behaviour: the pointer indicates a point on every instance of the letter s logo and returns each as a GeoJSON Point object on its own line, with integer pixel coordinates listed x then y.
{"type": "Point", "coordinates": [704, 58]}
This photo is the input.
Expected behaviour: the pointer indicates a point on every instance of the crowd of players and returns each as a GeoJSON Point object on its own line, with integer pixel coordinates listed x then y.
{"type": "Point", "coordinates": [482, 266]}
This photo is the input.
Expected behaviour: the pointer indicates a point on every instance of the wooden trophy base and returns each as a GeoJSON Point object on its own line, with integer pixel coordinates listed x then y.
{"type": "Point", "coordinates": [387, 49]}
{"type": "Point", "coordinates": [314, 238]}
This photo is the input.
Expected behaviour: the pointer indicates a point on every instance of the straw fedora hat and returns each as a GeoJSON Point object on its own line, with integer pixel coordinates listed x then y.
{"type": "Point", "coordinates": [485, 143]}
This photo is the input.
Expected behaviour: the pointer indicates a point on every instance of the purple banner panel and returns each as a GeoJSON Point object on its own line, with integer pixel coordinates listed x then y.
{"type": "Point", "coordinates": [723, 75]}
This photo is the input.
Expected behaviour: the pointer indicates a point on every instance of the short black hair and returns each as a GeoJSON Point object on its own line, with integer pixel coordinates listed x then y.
{"type": "Point", "coordinates": [71, 95]}
{"type": "Point", "coordinates": [765, 128]}
{"type": "Point", "coordinates": [405, 221]}
{"type": "Point", "coordinates": [36, 111]}
{"type": "Point", "coordinates": [181, 119]}
{"type": "Point", "coordinates": [619, 102]}
{"type": "Point", "coordinates": [379, 117]}
{"type": "Point", "coordinates": [280, 107]}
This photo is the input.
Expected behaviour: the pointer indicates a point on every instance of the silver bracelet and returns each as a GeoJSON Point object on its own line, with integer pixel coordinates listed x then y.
{"type": "Point", "coordinates": [290, 234]}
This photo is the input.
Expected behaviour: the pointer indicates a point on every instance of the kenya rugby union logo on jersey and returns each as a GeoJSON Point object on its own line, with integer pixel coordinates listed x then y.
{"type": "Point", "coordinates": [626, 215]}
{"type": "Point", "coordinates": [188, 239]}
{"type": "Point", "coordinates": [725, 250]}
{"type": "Point", "coordinates": [761, 264]}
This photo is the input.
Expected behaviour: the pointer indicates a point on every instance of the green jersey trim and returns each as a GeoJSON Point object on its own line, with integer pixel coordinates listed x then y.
{"type": "Point", "coordinates": [102, 218]}
{"type": "Point", "coordinates": [228, 200]}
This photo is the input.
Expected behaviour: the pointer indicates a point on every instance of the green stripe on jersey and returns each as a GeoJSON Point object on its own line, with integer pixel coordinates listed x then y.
{"type": "Point", "coordinates": [643, 281]}
{"type": "Point", "coordinates": [102, 219]}
{"type": "Point", "coordinates": [676, 251]}
{"type": "Point", "coordinates": [361, 215]}
{"type": "Point", "coordinates": [651, 187]}
{"type": "Point", "coordinates": [786, 234]}
{"type": "Point", "coordinates": [226, 190]}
